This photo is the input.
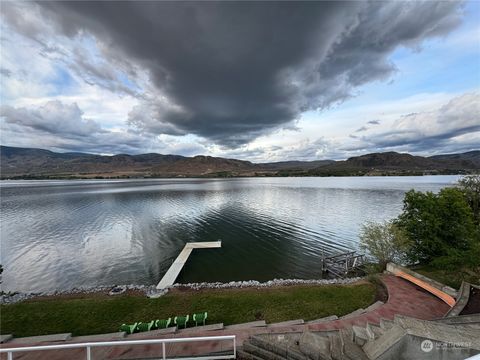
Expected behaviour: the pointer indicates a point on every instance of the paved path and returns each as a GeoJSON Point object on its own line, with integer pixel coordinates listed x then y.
{"type": "Point", "coordinates": [404, 298]}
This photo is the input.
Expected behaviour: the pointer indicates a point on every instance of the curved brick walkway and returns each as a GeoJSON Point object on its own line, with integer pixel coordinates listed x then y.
{"type": "Point", "coordinates": [404, 298]}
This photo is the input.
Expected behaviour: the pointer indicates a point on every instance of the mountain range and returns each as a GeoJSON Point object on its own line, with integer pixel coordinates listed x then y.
{"type": "Point", "coordinates": [30, 163]}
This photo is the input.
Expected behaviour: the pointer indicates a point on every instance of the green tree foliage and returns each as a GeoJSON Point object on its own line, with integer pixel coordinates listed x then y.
{"type": "Point", "coordinates": [470, 186]}
{"type": "Point", "coordinates": [440, 226]}
{"type": "Point", "coordinates": [384, 241]}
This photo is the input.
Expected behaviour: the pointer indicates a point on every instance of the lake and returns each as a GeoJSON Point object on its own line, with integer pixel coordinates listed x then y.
{"type": "Point", "coordinates": [64, 234]}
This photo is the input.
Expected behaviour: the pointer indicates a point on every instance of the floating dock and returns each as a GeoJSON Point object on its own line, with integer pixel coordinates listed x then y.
{"type": "Point", "coordinates": [177, 266]}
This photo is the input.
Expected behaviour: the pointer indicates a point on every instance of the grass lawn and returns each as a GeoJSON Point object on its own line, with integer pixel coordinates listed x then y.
{"type": "Point", "coordinates": [450, 278]}
{"type": "Point", "coordinates": [96, 314]}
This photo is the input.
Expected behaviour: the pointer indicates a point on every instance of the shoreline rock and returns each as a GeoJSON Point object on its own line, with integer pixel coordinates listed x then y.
{"type": "Point", "coordinates": [152, 292]}
{"type": "Point", "coordinates": [270, 283]}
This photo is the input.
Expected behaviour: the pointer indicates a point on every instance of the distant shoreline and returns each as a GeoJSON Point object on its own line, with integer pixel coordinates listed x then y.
{"type": "Point", "coordinates": [39, 164]}
{"type": "Point", "coordinates": [212, 176]}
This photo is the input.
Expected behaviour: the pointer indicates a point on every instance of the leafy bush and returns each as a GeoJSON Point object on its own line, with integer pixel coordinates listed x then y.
{"type": "Point", "coordinates": [440, 227]}
{"type": "Point", "coordinates": [442, 230]}
{"type": "Point", "coordinates": [470, 186]}
{"type": "Point", "coordinates": [384, 241]}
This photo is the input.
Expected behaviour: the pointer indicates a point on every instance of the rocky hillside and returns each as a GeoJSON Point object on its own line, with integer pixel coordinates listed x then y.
{"type": "Point", "coordinates": [38, 163]}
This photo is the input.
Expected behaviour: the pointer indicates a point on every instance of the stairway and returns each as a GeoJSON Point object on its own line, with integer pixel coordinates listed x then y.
{"type": "Point", "coordinates": [400, 338]}
{"type": "Point", "coordinates": [322, 345]}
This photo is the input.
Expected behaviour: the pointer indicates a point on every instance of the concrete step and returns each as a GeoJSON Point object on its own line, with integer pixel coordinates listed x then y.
{"type": "Point", "coordinates": [285, 345]}
{"type": "Point", "coordinates": [386, 324]}
{"type": "Point", "coordinates": [286, 323]}
{"type": "Point", "coordinates": [248, 325]}
{"type": "Point", "coordinates": [42, 338]}
{"type": "Point", "coordinates": [261, 352]}
{"type": "Point", "coordinates": [350, 349]}
{"type": "Point", "coordinates": [5, 338]}
{"type": "Point", "coordinates": [360, 335]}
{"type": "Point", "coordinates": [353, 314]}
{"type": "Point", "coordinates": [452, 333]}
{"type": "Point", "coordinates": [195, 329]}
{"type": "Point", "coordinates": [469, 326]}
{"type": "Point", "coordinates": [460, 319]}
{"type": "Point", "coordinates": [374, 349]}
{"type": "Point", "coordinates": [336, 347]}
{"type": "Point", "coordinates": [243, 355]}
{"type": "Point", "coordinates": [153, 333]}
{"type": "Point", "coordinates": [374, 306]}
{"type": "Point", "coordinates": [99, 337]}
{"type": "Point", "coordinates": [374, 332]}
{"type": "Point", "coordinates": [324, 319]}
{"type": "Point", "coordinates": [347, 333]}
{"type": "Point", "coordinates": [315, 345]}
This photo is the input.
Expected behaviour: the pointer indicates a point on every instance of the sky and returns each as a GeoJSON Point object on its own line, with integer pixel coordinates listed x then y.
{"type": "Point", "coordinates": [258, 80]}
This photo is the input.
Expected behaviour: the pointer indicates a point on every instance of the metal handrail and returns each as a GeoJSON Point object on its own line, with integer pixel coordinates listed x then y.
{"type": "Point", "coordinates": [89, 345]}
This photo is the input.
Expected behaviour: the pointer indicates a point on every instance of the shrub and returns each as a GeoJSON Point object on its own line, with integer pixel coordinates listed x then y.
{"type": "Point", "coordinates": [439, 226]}
{"type": "Point", "coordinates": [470, 186]}
{"type": "Point", "coordinates": [384, 241]}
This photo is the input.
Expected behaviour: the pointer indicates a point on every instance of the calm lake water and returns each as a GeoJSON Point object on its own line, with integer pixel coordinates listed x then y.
{"type": "Point", "coordinates": [62, 234]}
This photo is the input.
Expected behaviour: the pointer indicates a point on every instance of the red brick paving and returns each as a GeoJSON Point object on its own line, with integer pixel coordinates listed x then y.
{"type": "Point", "coordinates": [404, 298]}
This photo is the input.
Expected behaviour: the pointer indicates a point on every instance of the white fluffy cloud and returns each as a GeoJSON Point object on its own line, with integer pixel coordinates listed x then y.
{"type": "Point", "coordinates": [429, 130]}
{"type": "Point", "coordinates": [54, 117]}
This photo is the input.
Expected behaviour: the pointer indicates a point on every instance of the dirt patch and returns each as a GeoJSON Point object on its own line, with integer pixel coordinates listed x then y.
{"type": "Point", "coordinates": [473, 304]}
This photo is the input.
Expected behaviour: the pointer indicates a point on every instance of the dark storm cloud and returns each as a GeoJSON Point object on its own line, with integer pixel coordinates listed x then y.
{"type": "Point", "coordinates": [232, 71]}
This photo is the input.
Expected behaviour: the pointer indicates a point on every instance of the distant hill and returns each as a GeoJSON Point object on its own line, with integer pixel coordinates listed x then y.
{"type": "Point", "coordinates": [391, 160]}
{"type": "Point", "coordinates": [295, 165]}
{"type": "Point", "coordinates": [468, 158]}
{"type": "Point", "coordinates": [38, 163]}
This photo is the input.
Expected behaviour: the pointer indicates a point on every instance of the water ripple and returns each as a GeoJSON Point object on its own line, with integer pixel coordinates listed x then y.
{"type": "Point", "coordinates": [62, 234]}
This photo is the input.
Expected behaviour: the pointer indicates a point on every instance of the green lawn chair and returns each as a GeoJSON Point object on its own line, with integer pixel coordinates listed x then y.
{"type": "Point", "coordinates": [200, 317]}
{"type": "Point", "coordinates": [129, 329]}
{"type": "Point", "coordinates": [145, 326]}
{"type": "Point", "coordinates": [163, 324]}
{"type": "Point", "coordinates": [181, 321]}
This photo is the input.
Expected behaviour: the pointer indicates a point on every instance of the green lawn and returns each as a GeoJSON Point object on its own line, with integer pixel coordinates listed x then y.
{"type": "Point", "coordinates": [103, 314]}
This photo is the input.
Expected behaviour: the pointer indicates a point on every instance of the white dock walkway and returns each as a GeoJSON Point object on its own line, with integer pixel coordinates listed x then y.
{"type": "Point", "coordinates": [172, 273]}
